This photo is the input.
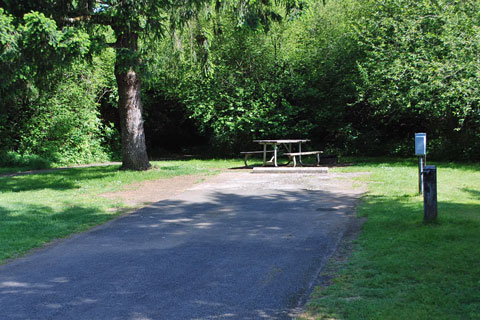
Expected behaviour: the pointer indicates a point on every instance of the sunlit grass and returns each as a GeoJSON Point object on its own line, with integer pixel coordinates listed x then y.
{"type": "Point", "coordinates": [402, 268]}
{"type": "Point", "coordinates": [36, 208]}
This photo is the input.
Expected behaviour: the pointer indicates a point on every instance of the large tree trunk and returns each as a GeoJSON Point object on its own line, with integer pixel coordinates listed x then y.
{"type": "Point", "coordinates": [134, 150]}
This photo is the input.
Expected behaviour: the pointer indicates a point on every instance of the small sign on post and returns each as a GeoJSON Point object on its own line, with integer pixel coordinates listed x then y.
{"type": "Point", "coordinates": [420, 144]}
{"type": "Point", "coordinates": [421, 153]}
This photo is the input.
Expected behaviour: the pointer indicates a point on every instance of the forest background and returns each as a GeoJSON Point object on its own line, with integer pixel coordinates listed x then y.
{"type": "Point", "coordinates": [355, 76]}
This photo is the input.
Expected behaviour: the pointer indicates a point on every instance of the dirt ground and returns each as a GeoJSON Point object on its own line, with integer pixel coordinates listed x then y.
{"type": "Point", "coordinates": [148, 192]}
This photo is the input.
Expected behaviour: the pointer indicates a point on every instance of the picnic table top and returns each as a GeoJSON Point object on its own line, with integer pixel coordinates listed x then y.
{"type": "Point", "coordinates": [282, 141]}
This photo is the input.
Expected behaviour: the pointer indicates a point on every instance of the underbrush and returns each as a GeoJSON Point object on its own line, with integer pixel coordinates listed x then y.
{"type": "Point", "coordinates": [14, 162]}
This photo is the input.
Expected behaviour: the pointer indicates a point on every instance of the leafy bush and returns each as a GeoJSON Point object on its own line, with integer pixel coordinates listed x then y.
{"type": "Point", "coordinates": [421, 73]}
{"type": "Point", "coordinates": [49, 107]}
{"type": "Point", "coordinates": [64, 125]}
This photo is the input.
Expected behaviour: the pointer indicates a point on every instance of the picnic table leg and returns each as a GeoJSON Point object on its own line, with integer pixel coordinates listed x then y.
{"type": "Point", "coordinates": [275, 155]}
{"type": "Point", "coordinates": [318, 159]}
{"type": "Point", "coordinates": [264, 155]}
{"type": "Point", "coordinates": [300, 155]}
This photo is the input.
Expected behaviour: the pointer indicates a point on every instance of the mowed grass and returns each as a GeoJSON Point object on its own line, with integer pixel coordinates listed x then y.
{"type": "Point", "coordinates": [37, 208]}
{"type": "Point", "coordinates": [400, 267]}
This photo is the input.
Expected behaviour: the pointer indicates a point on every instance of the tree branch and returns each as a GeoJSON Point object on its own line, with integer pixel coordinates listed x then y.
{"type": "Point", "coordinates": [78, 19]}
{"type": "Point", "coordinates": [96, 19]}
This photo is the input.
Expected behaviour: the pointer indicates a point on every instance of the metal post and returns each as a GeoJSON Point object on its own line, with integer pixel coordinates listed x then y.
{"type": "Point", "coordinates": [430, 193]}
{"type": "Point", "coordinates": [422, 162]}
{"type": "Point", "coordinates": [421, 153]}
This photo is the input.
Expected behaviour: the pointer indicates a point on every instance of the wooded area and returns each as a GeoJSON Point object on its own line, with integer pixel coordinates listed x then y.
{"type": "Point", "coordinates": [355, 76]}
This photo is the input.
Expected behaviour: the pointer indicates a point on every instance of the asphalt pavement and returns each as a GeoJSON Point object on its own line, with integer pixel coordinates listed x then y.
{"type": "Point", "coordinates": [238, 246]}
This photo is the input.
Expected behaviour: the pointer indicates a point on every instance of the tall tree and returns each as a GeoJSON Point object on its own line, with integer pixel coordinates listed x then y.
{"type": "Point", "coordinates": [131, 21]}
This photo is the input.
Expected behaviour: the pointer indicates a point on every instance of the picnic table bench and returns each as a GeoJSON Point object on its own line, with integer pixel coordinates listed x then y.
{"type": "Point", "coordinates": [293, 156]}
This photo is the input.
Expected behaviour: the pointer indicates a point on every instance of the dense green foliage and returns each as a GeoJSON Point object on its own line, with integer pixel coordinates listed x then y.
{"type": "Point", "coordinates": [421, 72]}
{"type": "Point", "coordinates": [49, 94]}
{"type": "Point", "coordinates": [242, 83]}
{"type": "Point", "coordinates": [355, 76]}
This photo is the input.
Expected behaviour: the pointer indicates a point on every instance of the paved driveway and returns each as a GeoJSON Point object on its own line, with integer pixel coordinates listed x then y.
{"type": "Point", "coordinates": [239, 246]}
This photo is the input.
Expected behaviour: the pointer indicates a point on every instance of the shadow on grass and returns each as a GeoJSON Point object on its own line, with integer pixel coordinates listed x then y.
{"type": "Point", "coordinates": [27, 226]}
{"type": "Point", "coordinates": [56, 180]}
{"type": "Point", "coordinates": [71, 178]}
{"type": "Point", "coordinates": [404, 209]}
{"type": "Point", "coordinates": [472, 192]}
{"type": "Point", "coordinates": [168, 168]}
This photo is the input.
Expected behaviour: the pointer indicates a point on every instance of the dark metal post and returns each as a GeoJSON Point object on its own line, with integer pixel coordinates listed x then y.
{"type": "Point", "coordinates": [429, 193]}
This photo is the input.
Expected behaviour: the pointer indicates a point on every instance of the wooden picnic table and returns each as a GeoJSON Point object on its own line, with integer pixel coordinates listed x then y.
{"type": "Point", "coordinates": [286, 143]}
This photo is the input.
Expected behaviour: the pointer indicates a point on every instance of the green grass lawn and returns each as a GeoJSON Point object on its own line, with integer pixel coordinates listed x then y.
{"type": "Point", "coordinates": [37, 208]}
{"type": "Point", "coordinates": [400, 267]}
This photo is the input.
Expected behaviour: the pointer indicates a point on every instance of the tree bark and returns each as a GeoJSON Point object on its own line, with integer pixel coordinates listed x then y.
{"type": "Point", "coordinates": [134, 150]}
